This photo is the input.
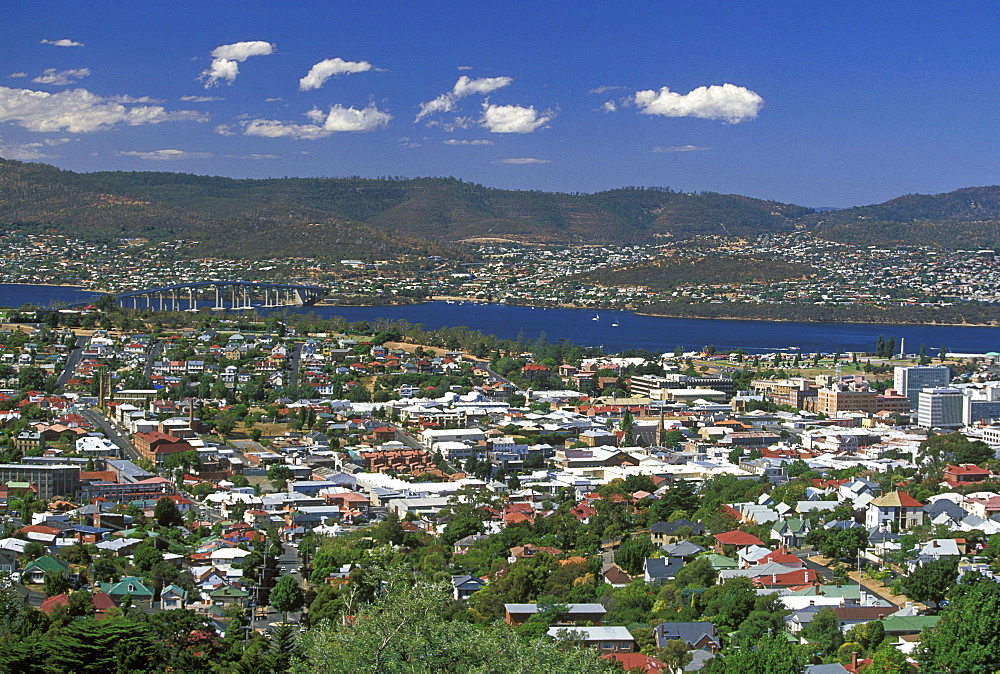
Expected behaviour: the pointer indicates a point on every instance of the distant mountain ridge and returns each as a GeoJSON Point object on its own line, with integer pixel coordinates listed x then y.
{"type": "Point", "coordinates": [372, 218]}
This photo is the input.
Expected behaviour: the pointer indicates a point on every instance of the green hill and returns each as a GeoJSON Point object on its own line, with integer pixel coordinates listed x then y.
{"type": "Point", "coordinates": [372, 218]}
{"type": "Point", "coordinates": [965, 218]}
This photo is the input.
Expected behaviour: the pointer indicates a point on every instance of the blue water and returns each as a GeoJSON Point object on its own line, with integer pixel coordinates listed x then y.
{"type": "Point", "coordinates": [632, 332]}
{"type": "Point", "coordinates": [663, 334]}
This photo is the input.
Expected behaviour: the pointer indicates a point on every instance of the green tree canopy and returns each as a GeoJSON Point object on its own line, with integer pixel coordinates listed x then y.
{"type": "Point", "coordinates": [967, 638]}
{"type": "Point", "coordinates": [932, 580]}
{"type": "Point", "coordinates": [286, 595]}
{"type": "Point", "coordinates": [408, 630]}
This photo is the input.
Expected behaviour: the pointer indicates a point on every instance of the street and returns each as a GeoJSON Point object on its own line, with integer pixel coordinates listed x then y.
{"type": "Point", "coordinates": [100, 421]}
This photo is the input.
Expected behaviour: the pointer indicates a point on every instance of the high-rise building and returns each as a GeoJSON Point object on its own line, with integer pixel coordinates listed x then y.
{"type": "Point", "coordinates": [940, 408]}
{"type": "Point", "coordinates": [981, 405]}
{"type": "Point", "coordinates": [910, 380]}
{"type": "Point", "coordinates": [51, 480]}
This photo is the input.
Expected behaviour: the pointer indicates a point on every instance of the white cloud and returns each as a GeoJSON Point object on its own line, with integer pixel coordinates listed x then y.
{"type": "Point", "coordinates": [15, 75]}
{"type": "Point", "coordinates": [65, 42]}
{"type": "Point", "coordinates": [134, 99]}
{"type": "Point", "coordinates": [273, 100]}
{"type": "Point", "coordinates": [338, 119]}
{"type": "Point", "coordinates": [200, 99]}
{"type": "Point", "coordinates": [525, 160]}
{"type": "Point", "coordinates": [80, 111]}
{"type": "Point", "coordinates": [513, 118]}
{"type": "Point", "coordinates": [465, 86]}
{"type": "Point", "coordinates": [681, 148]}
{"type": "Point", "coordinates": [324, 70]}
{"type": "Point", "coordinates": [727, 102]}
{"type": "Point", "coordinates": [464, 68]}
{"type": "Point", "coordinates": [484, 85]}
{"type": "Point", "coordinates": [23, 151]}
{"type": "Point", "coordinates": [224, 130]}
{"type": "Point", "coordinates": [226, 60]}
{"type": "Point", "coordinates": [609, 106]}
{"type": "Point", "coordinates": [443, 103]}
{"type": "Point", "coordinates": [164, 155]}
{"type": "Point", "coordinates": [603, 89]}
{"type": "Point", "coordinates": [61, 78]}
{"type": "Point", "coordinates": [453, 141]}
{"type": "Point", "coordinates": [253, 157]}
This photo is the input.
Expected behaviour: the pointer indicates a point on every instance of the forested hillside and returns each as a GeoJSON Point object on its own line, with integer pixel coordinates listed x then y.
{"type": "Point", "coordinates": [676, 271]}
{"type": "Point", "coordinates": [370, 218]}
{"type": "Point", "coordinates": [965, 218]}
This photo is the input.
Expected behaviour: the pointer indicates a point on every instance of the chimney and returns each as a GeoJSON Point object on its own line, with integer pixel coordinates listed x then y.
{"type": "Point", "coordinates": [854, 661]}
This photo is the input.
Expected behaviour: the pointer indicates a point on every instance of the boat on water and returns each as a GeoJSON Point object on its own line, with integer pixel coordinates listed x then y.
{"type": "Point", "coordinates": [615, 324]}
{"type": "Point", "coordinates": [596, 317]}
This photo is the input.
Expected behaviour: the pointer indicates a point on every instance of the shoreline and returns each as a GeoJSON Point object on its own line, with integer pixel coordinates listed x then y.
{"type": "Point", "coordinates": [808, 320]}
{"type": "Point", "coordinates": [455, 299]}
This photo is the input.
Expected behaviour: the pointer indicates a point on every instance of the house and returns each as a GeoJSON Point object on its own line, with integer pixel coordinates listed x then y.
{"type": "Point", "coordinates": [662, 533]}
{"type": "Point", "coordinates": [228, 594]}
{"type": "Point", "coordinates": [100, 600]}
{"type": "Point", "coordinates": [898, 509]}
{"type": "Point", "coordinates": [35, 570]}
{"type": "Point", "coordinates": [735, 539]}
{"type": "Point", "coordinates": [172, 597]}
{"type": "Point", "coordinates": [965, 474]}
{"type": "Point", "coordinates": [604, 639]}
{"type": "Point", "coordinates": [516, 614]}
{"type": "Point", "coordinates": [697, 635]}
{"type": "Point", "coordinates": [464, 586]}
{"type": "Point", "coordinates": [637, 662]}
{"type": "Point", "coordinates": [849, 616]}
{"type": "Point", "coordinates": [615, 576]}
{"type": "Point", "coordinates": [682, 549]}
{"type": "Point", "coordinates": [141, 595]}
{"type": "Point", "coordinates": [656, 569]}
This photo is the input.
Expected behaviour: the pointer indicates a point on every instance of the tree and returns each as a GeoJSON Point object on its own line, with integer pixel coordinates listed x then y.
{"type": "Point", "coordinates": [55, 583]}
{"type": "Point", "coordinates": [286, 595]}
{"type": "Point", "coordinates": [838, 543]}
{"type": "Point", "coordinates": [105, 570]}
{"type": "Point", "coordinates": [146, 556]}
{"type": "Point", "coordinates": [33, 550]}
{"type": "Point", "coordinates": [88, 645]}
{"type": "Point", "coordinates": [627, 426]}
{"type": "Point", "coordinates": [931, 581]}
{"type": "Point", "coordinates": [887, 660]}
{"type": "Point", "coordinates": [674, 654]}
{"type": "Point", "coordinates": [824, 632]}
{"type": "Point", "coordinates": [771, 655]}
{"type": "Point", "coordinates": [631, 554]}
{"type": "Point", "coordinates": [166, 513]}
{"type": "Point", "coordinates": [409, 629]}
{"type": "Point", "coordinates": [225, 422]}
{"type": "Point", "coordinates": [953, 448]}
{"type": "Point", "coordinates": [278, 474]}
{"type": "Point", "coordinates": [966, 637]}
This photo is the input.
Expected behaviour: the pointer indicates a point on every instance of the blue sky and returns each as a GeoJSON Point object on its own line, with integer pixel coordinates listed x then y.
{"type": "Point", "coordinates": [819, 104]}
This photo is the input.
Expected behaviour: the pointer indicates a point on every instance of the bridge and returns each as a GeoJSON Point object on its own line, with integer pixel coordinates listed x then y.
{"type": "Point", "coordinates": [217, 295]}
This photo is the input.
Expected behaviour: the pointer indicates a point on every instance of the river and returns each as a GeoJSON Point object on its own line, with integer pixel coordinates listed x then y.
{"type": "Point", "coordinates": [619, 330]}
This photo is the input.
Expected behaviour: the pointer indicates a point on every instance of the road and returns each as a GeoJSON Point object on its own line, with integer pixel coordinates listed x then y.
{"type": "Point", "coordinates": [152, 357]}
{"type": "Point", "coordinates": [100, 421]}
{"type": "Point", "coordinates": [405, 437]}
{"type": "Point", "coordinates": [73, 360]}
{"type": "Point", "coordinates": [294, 362]}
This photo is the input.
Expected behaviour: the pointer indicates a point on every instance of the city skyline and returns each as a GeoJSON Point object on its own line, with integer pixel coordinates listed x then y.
{"type": "Point", "coordinates": [819, 106]}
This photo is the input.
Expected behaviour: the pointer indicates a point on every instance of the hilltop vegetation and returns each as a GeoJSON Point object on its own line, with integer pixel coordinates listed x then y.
{"type": "Point", "coordinates": [381, 217]}
{"type": "Point", "coordinates": [965, 218]}
{"type": "Point", "coordinates": [340, 217]}
{"type": "Point", "coordinates": [675, 271]}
